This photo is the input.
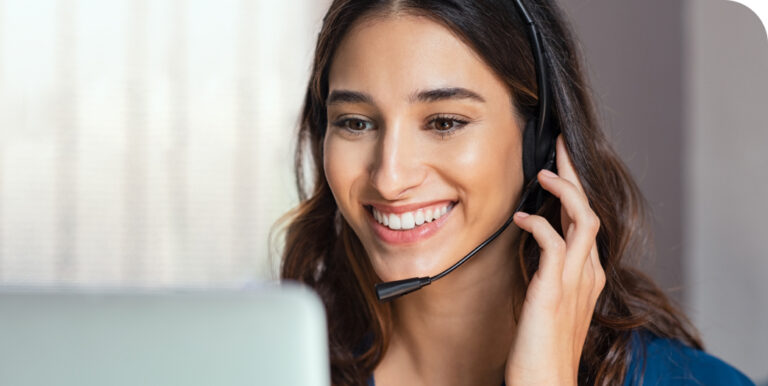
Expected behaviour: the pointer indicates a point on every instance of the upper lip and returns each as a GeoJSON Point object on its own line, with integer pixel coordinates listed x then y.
{"type": "Point", "coordinates": [406, 208]}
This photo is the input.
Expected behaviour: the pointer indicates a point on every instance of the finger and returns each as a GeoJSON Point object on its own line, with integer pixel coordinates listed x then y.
{"type": "Point", "coordinates": [565, 167]}
{"type": "Point", "coordinates": [585, 225]}
{"type": "Point", "coordinates": [567, 172]}
{"type": "Point", "coordinates": [592, 262]}
{"type": "Point", "coordinates": [577, 208]}
{"type": "Point", "coordinates": [551, 244]}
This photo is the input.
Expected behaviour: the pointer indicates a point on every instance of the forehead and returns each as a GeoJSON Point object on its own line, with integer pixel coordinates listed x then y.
{"type": "Point", "coordinates": [390, 57]}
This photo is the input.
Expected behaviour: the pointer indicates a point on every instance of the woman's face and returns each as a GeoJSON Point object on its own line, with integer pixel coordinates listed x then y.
{"type": "Point", "coordinates": [419, 125]}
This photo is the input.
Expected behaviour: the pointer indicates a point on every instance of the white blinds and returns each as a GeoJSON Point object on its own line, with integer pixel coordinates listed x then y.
{"type": "Point", "coordinates": [147, 142]}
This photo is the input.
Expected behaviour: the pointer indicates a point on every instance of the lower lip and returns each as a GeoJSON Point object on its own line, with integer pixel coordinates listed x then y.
{"type": "Point", "coordinates": [419, 233]}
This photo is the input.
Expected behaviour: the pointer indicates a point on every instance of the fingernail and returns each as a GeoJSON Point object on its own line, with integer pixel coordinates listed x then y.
{"type": "Point", "coordinates": [521, 214]}
{"type": "Point", "coordinates": [548, 173]}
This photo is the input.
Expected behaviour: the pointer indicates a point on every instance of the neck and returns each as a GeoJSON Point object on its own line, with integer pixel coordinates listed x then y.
{"type": "Point", "coordinates": [459, 329]}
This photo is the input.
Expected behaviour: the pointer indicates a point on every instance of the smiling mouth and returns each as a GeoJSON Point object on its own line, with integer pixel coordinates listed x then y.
{"type": "Point", "coordinates": [410, 220]}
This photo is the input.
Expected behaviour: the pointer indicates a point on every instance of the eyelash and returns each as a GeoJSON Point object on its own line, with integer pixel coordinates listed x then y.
{"type": "Point", "coordinates": [457, 125]}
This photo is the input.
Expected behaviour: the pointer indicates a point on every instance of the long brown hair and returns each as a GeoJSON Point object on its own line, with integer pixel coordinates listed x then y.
{"type": "Point", "coordinates": [322, 251]}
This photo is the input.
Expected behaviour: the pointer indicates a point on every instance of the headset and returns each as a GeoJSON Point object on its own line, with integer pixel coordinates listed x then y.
{"type": "Point", "coordinates": [538, 153]}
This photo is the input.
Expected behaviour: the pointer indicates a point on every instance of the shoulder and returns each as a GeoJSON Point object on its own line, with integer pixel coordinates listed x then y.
{"type": "Point", "coordinates": [662, 361]}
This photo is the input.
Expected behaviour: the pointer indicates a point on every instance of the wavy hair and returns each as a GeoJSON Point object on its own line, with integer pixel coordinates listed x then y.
{"type": "Point", "coordinates": [322, 251]}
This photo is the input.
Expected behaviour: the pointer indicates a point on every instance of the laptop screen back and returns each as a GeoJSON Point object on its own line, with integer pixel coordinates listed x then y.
{"type": "Point", "coordinates": [267, 336]}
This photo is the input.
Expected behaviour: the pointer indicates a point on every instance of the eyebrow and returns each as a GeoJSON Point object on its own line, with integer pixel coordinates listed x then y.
{"type": "Point", "coordinates": [425, 96]}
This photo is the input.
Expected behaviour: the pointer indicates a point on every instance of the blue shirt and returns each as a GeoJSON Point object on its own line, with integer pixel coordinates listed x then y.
{"type": "Point", "coordinates": [670, 362]}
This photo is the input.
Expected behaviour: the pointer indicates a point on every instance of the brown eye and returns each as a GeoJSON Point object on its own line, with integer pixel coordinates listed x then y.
{"type": "Point", "coordinates": [444, 124]}
{"type": "Point", "coordinates": [353, 125]}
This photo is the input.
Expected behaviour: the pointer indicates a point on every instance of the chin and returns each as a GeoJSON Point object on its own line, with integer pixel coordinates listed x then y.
{"type": "Point", "coordinates": [405, 265]}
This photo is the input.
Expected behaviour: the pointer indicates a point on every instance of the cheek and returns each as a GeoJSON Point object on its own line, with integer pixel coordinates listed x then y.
{"type": "Point", "coordinates": [494, 175]}
{"type": "Point", "coordinates": [490, 159]}
{"type": "Point", "coordinates": [335, 174]}
{"type": "Point", "coordinates": [342, 166]}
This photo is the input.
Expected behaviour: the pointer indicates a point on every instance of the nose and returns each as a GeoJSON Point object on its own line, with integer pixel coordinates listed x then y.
{"type": "Point", "coordinates": [398, 166]}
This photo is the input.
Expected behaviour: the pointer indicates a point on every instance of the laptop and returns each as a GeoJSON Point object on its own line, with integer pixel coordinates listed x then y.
{"type": "Point", "coordinates": [266, 335]}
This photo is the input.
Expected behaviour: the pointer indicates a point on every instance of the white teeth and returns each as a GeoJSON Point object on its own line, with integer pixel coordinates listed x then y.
{"type": "Point", "coordinates": [394, 221]}
{"type": "Point", "coordinates": [419, 218]}
{"type": "Point", "coordinates": [409, 220]}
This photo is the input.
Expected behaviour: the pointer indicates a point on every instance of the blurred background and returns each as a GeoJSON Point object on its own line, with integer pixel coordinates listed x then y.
{"type": "Point", "coordinates": [149, 143]}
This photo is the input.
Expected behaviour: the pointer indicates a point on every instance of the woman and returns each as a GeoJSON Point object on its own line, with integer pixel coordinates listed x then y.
{"type": "Point", "coordinates": [414, 117]}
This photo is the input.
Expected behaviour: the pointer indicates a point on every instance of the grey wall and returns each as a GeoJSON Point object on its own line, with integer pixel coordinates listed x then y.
{"type": "Point", "coordinates": [726, 186]}
{"type": "Point", "coordinates": [682, 90]}
{"type": "Point", "coordinates": [681, 86]}
{"type": "Point", "coordinates": [633, 52]}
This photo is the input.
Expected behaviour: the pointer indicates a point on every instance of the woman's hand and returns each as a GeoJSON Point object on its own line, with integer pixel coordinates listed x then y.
{"type": "Point", "coordinates": [562, 293]}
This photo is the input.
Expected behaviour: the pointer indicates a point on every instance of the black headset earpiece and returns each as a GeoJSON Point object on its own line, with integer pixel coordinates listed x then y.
{"type": "Point", "coordinates": [538, 154]}
{"type": "Point", "coordinates": [539, 135]}
{"type": "Point", "coordinates": [529, 147]}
